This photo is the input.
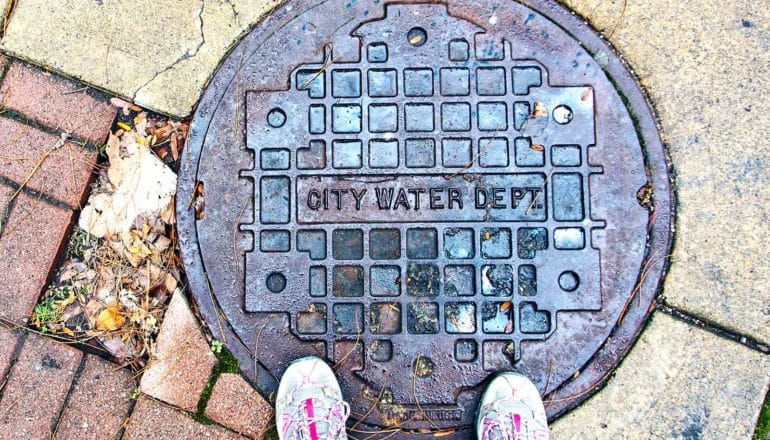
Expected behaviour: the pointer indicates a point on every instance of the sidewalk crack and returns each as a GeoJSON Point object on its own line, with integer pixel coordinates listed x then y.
{"type": "Point", "coordinates": [185, 56]}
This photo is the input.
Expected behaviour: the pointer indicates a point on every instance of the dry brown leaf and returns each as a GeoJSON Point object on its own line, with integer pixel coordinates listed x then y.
{"type": "Point", "coordinates": [586, 93]}
{"type": "Point", "coordinates": [110, 319]}
{"type": "Point", "coordinates": [174, 146]}
{"type": "Point", "coordinates": [171, 282]}
{"type": "Point", "coordinates": [539, 111]}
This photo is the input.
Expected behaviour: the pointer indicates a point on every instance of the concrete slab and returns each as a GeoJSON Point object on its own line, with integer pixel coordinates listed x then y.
{"type": "Point", "coordinates": [3, 10]}
{"type": "Point", "coordinates": [678, 382]}
{"type": "Point", "coordinates": [706, 66]}
{"type": "Point", "coordinates": [158, 53]}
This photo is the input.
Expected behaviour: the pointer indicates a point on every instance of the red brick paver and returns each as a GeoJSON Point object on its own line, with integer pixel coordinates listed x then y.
{"type": "Point", "coordinates": [99, 402]}
{"type": "Point", "coordinates": [157, 421]}
{"type": "Point", "coordinates": [5, 197]}
{"type": "Point", "coordinates": [37, 388]}
{"type": "Point", "coordinates": [235, 404]}
{"type": "Point", "coordinates": [62, 170]}
{"type": "Point", "coordinates": [29, 244]}
{"type": "Point", "coordinates": [56, 102]}
{"type": "Point", "coordinates": [8, 341]}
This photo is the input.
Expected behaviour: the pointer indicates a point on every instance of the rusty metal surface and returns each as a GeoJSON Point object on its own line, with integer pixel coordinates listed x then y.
{"type": "Point", "coordinates": [425, 194]}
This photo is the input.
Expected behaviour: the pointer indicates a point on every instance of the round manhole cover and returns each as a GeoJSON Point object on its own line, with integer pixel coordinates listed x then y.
{"type": "Point", "coordinates": [425, 194]}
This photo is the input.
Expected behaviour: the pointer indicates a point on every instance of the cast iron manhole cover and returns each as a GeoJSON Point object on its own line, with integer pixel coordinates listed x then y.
{"type": "Point", "coordinates": [425, 194]}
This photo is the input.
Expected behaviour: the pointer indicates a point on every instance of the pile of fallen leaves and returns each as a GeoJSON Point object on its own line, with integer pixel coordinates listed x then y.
{"type": "Point", "coordinates": [121, 266]}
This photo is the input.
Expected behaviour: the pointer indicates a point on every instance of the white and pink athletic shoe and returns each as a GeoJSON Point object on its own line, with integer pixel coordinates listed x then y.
{"type": "Point", "coordinates": [309, 403]}
{"type": "Point", "coordinates": [511, 409]}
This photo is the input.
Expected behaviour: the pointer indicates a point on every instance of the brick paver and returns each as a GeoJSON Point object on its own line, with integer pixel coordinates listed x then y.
{"type": "Point", "coordinates": [235, 404]}
{"type": "Point", "coordinates": [5, 196]}
{"type": "Point", "coordinates": [61, 171]}
{"type": "Point", "coordinates": [29, 244]}
{"type": "Point", "coordinates": [37, 388]}
{"type": "Point", "coordinates": [183, 361]}
{"type": "Point", "coordinates": [152, 419]}
{"type": "Point", "coordinates": [56, 102]}
{"type": "Point", "coordinates": [99, 402]}
{"type": "Point", "coordinates": [8, 341]}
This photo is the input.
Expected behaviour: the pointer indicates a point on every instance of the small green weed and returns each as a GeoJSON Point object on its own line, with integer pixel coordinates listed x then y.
{"type": "Point", "coordinates": [49, 309]}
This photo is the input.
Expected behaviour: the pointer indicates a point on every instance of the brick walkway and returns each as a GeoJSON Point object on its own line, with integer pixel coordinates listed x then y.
{"type": "Point", "coordinates": [50, 128]}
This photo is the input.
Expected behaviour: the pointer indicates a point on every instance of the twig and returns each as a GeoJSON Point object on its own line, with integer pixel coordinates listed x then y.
{"type": "Point", "coordinates": [414, 391]}
{"type": "Point", "coordinates": [540, 191]}
{"type": "Point", "coordinates": [256, 347]}
{"type": "Point", "coordinates": [374, 404]}
{"type": "Point", "coordinates": [355, 345]}
{"type": "Point", "coordinates": [620, 20]}
{"type": "Point", "coordinates": [62, 140]}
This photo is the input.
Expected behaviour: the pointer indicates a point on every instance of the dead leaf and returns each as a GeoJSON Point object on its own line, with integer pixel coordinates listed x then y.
{"type": "Point", "coordinates": [174, 147]}
{"type": "Point", "coordinates": [586, 93]}
{"type": "Point", "coordinates": [110, 319]}
{"type": "Point", "coordinates": [117, 102]}
{"type": "Point", "coordinates": [539, 111]}
{"type": "Point", "coordinates": [537, 147]}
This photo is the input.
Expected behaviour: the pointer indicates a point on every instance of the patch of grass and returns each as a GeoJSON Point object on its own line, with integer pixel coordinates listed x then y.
{"type": "Point", "coordinates": [762, 431]}
{"type": "Point", "coordinates": [226, 363]}
{"type": "Point", "coordinates": [49, 309]}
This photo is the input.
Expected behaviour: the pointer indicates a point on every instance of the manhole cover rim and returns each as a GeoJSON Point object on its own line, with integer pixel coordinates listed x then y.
{"type": "Point", "coordinates": [572, 392]}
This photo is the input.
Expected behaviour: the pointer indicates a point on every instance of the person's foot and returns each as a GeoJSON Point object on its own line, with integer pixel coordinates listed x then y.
{"type": "Point", "coordinates": [309, 403]}
{"type": "Point", "coordinates": [511, 409]}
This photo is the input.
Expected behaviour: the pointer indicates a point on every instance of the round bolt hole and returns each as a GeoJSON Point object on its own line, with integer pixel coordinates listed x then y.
{"type": "Point", "coordinates": [276, 282]}
{"type": "Point", "coordinates": [569, 281]}
{"type": "Point", "coordinates": [417, 36]}
{"type": "Point", "coordinates": [276, 118]}
{"type": "Point", "coordinates": [562, 114]}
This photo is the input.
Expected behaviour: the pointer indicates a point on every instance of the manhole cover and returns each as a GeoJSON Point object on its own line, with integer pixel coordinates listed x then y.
{"type": "Point", "coordinates": [425, 194]}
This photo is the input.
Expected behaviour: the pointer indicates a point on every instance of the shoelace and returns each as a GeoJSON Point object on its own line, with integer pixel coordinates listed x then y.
{"type": "Point", "coordinates": [304, 422]}
{"type": "Point", "coordinates": [507, 430]}
{"type": "Point", "coordinates": [509, 425]}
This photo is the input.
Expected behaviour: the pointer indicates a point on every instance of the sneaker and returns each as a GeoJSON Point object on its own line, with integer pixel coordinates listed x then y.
{"type": "Point", "coordinates": [511, 409]}
{"type": "Point", "coordinates": [309, 403]}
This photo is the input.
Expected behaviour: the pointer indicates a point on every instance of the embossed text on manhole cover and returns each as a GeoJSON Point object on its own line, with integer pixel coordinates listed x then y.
{"type": "Point", "coordinates": [425, 194]}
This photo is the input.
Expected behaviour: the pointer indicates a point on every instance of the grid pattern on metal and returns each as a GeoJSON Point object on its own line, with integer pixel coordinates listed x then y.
{"type": "Point", "coordinates": [398, 201]}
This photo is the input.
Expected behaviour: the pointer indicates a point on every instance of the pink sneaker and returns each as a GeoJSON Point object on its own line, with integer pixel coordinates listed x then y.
{"type": "Point", "coordinates": [511, 409]}
{"type": "Point", "coordinates": [309, 403]}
